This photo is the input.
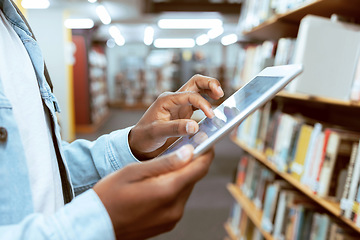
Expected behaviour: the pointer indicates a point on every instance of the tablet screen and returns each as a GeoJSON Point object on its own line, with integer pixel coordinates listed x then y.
{"type": "Point", "coordinates": [240, 103]}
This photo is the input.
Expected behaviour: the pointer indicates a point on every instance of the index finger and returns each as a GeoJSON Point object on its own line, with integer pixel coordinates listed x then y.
{"type": "Point", "coordinates": [200, 83]}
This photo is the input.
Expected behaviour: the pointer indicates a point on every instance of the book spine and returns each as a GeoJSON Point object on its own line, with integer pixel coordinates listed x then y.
{"type": "Point", "coordinates": [327, 133]}
{"type": "Point", "coordinates": [354, 181]}
{"type": "Point", "coordinates": [344, 203]}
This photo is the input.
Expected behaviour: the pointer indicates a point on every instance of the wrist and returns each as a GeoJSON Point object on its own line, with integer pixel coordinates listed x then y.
{"type": "Point", "coordinates": [133, 142]}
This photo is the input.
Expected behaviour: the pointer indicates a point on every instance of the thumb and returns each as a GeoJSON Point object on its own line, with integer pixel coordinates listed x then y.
{"type": "Point", "coordinates": [175, 128]}
{"type": "Point", "coordinates": [164, 164]}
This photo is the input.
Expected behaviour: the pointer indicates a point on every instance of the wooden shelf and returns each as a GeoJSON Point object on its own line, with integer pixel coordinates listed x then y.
{"type": "Point", "coordinates": [330, 206]}
{"type": "Point", "coordinates": [250, 209]}
{"type": "Point", "coordinates": [230, 232]}
{"type": "Point", "coordinates": [286, 25]}
{"type": "Point", "coordinates": [324, 100]}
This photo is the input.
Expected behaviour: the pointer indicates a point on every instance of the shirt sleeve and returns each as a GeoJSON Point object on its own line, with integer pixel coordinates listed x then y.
{"type": "Point", "coordinates": [84, 218]}
{"type": "Point", "coordinates": [89, 161]}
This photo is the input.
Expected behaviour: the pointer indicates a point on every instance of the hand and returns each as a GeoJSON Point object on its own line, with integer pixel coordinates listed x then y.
{"type": "Point", "coordinates": [146, 199]}
{"type": "Point", "coordinates": [169, 116]}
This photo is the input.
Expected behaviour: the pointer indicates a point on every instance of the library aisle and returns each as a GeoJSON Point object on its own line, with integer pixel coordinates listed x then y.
{"type": "Point", "coordinates": [210, 202]}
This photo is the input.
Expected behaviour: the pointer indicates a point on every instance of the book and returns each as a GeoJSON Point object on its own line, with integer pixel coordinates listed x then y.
{"type": "Point", "coordinates": [271, 202]}
{"type": "Point", "coordinates": [311, 152]}
{"type": "Point", "coordinates": [327, 134]}
{"type": "Point", "coordinates": [335, 161]}
{"type": "Point", "coordinates": [266, 177]}
{"type": "Point", "coordinates": [285, 133]}
{"type": "Point", "coordinates": [234, 218]}
{"type": "Point", "coordinates": [246, 187]}
{"type": "Point", "coordinates": [263, 126]}
{"type": "Point", "coordinates": [297, 166]}
{"type": "Point", "coordinates": [352, 180]}
{"type": "Point", "coordinates": [284, 51]}
{"type": "Point", "coordinates": [285, 200]}
{"type": "Point", "coordinates": [241, 170]}
{"type": "Point", "coordinates": [316, 161]}
{"type": "Point", "coordinates": [271, 133]}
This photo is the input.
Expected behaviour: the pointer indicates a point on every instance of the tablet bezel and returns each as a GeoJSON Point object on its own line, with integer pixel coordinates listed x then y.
{"type": "Point", "coordinates": [285, 72]}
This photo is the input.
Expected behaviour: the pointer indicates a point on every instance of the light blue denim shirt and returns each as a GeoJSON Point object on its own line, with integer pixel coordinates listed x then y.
{"type": "Point", "coordinates": [86, 162]}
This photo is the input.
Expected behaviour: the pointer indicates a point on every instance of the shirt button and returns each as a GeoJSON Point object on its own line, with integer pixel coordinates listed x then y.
{"type": "Point", "coordinates": [3, 134]}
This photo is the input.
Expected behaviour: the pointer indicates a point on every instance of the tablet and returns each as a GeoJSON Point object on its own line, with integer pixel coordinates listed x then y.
{"type": "Point", "coordinates": [262, 88]}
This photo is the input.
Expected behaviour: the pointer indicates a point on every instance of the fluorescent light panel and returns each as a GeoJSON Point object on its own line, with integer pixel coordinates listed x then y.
{"type": "Point", "coordinates": [174, 43]}
{"type": "Point", "coordinates": [189, 23]}
{"type": "Point", "coordinates": [35, 4]}
{"type": "Point", "coordinates": [229, 39]}
{"type": "Point", "coordinates": [81, 23]}
{"type": "Point", "coordinates": [202, 39]}
{"type": "Point", "coordinates": [215, 32]}
{"type": "Point", "coordinates": [116, 35]}
{"type": "Point", "coordinates": [149, 35]}
{"type": "Point", "coordinates": [103, 14]}
{"type": "Point", "coordinates": [92, 1]}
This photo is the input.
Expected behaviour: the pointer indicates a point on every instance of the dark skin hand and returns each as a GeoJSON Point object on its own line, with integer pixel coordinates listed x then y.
{"type": "Point", "coordinates": [169, 117]}
{"type": "Point", "coordinates": [144, 200]}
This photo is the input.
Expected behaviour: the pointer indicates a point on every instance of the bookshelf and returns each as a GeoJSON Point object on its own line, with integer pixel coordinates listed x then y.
{"type": "Point", "coordinates": [328, 111]}
{"type": "Point", "coordinates": [90, 87]}
{"type": "Point", "coordinates": [251, 211]}
{"type": "Point", "coordinates": [229, 231]}
{"type": "Point", "coordinates": [330, 206]}
{"type": "Point", "coordinates": [287, 24]}
{"type": "Point", "coordinates": [316, 99]}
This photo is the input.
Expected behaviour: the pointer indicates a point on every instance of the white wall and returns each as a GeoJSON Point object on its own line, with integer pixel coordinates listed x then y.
{"type": "Point", "coordinates": [50, 32]}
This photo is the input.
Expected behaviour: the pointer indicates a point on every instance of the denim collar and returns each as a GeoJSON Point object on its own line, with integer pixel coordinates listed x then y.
{"type": "Point", "coordinates": [13, 15]}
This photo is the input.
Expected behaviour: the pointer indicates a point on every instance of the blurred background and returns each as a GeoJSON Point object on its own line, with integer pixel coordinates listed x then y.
{"type": "Point", "coordinates": [124, 53]}
{"type": "Point", "coordinates": [109, 60]}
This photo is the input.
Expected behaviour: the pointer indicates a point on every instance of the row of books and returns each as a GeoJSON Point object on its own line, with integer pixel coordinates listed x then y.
{"type": "Point", "coordinates": [323, 158]}
{"type": "Point", "coordinates": [241, 225]}
{"type": "Point", "coordinates": [286, 213]}
{"type": "Point", "coordinates": [255, 57]}
{"type": "Point", "coordinates": [255, 12]}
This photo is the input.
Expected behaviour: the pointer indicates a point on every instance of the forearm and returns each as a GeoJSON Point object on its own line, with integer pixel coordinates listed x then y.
{"type": "Point", "coordinates": [88, 161]}
{"type": "Point", "coordinates": [83, 218]}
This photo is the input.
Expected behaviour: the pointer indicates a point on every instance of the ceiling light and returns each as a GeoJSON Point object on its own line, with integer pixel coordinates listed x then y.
{"type": "Point", "coordinates": [149, 35]}
{"type": "Point", "coordinates": [189, 23]}
{"type": "Point", "coordinates": [229, 39]}
{"type": "Point", "coordinates": [202, 39]}
{"type": "Point", "coordinates": [110, 43]}
{"type": "Point", "coordinates": [103, 14]}
{"type": "Point", "coordinates": [215, 32]}
{"type": "Point", "coordinates": [35, 4]}
{"type": "Point", "coordinates": [81, 23]}
{"type": "Point", "coordinates": [174, 43]}
{"type": "Point", "coordinates": [116, 35]}
{"type": "Point", "coordinates": [92, 1]}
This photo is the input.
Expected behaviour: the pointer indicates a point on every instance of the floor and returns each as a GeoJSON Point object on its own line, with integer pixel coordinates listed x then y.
{"type": "Point", "coordinates": [209, 205]}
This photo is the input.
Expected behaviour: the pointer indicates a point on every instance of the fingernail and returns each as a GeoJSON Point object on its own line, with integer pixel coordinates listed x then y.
{"type": "Point", "coordinates": [191, 127]}
{"type": "Point", "coordinates": [221, 91]}
{"type": "Point", "coordinates": [212, 114]}
{"type": "Point", "coordinates": [184, 153]}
